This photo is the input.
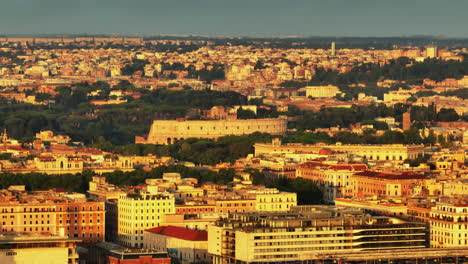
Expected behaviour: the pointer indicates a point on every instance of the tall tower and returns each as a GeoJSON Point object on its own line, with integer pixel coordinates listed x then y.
{"type": "Point", "coordinates": [406, 121]}
{"type": "Point", "coordinates": [431, 51]}
{"type": "Point", "coordinates": [4, 139]}
{"type": "Point", "coordinates": [333, 48]}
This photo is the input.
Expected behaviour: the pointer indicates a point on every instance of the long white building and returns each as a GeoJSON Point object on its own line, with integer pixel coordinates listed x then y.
{"type": "Point", "coordinates": [306, 231]}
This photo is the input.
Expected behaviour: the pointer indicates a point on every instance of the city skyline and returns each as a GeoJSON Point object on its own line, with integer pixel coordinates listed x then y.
{"type": "Point", "coordinates": [363, 18]}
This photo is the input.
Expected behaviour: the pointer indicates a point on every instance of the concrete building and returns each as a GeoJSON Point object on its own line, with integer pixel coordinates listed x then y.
{"type": "Point", "coordinates": [432, 51]}
{"type": "Point", "coordinates": [37, 249]}
{"type": "Point", "coordinates": [169, 131]}
{"type": "Point", "coordinates": [140, 211]}
{"type": "Point", "coordinates": [300, 234]}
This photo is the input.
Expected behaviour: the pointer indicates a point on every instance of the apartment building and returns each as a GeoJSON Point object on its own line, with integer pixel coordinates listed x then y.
{"type": "Point", "coordinates": [50, 212]}
{"type": "Point", "coordinates": [140, 211]}
{"type": "Point", "coordinates": [449, 225]}
{"type": "Point", "coordinates": [381, 184]}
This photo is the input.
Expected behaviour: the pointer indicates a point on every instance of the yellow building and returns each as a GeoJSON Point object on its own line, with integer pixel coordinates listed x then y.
{"type": "Point", "coordinates": [138, 212]}
{"type": "Point", "coordinates": [37, 249]}
{"type": "Point", "coordinates": [169, 131]}
{"type": "Point", "coordinates": [58, 164]}
{"type": "Point", "coordinates": [322, 91]}
{"type": "Point", "coordinates": [449, 225]}
{"type": "Point", "coordinates": [432, 51]}
{"type": "Point", "coordinates": [50, 137]}
{"type": "Point", "coordinates": [272, 200]}
{"type": "Point", "coordinates": [455, 187]}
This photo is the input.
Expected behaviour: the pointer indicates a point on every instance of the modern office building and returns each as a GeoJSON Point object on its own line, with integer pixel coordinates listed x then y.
{"type": "Point", "coordinates": [305, 231]}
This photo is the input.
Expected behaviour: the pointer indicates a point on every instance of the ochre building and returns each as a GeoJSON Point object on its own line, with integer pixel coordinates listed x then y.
{"type": "Point", "coordinates": [49, 212]}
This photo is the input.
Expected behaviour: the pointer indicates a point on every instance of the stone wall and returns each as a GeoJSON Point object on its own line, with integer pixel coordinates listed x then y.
{"type": "Point", "coordinates": [169, 131]}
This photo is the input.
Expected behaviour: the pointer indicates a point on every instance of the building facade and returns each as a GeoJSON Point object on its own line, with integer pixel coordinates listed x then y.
{"type": "Point", "coordinates": [394, 152]}
{"type": "Point", "coordinates": [449, 225]}
{"type": "Point", "coordinates": [374, 183]}
{"type": "Point", "coordinates": [49, 212]}
{"type": "Point", "coordinates": [309, 230]}
{"type": "Point", "coordinates": [37, 249]}
{"type": "Point", "coordinates": [322, 91]}
{"type": "Point", "coordinates": [138, 212]}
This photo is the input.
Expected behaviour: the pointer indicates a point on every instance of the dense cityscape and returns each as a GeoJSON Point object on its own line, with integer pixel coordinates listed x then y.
{"type": "Point", "coordinates": [233, 132]}
{"type": "Point", "coordinates": [141, 150]}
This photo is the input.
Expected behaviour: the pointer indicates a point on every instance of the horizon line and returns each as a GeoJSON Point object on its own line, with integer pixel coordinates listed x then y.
{"type": "Point", "coordinates": [215, 36]}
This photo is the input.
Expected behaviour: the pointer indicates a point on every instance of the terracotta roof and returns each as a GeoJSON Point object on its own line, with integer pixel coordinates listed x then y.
{"type": "Point", "coordinates": [17, 148]}
{"type": "Point", "coordinates": [46, 158]}
{"type": "Point", "coordinates": [180, 232]}
{"type": "Point", "coordinates": [390, 176]}
{"type": "Point", "coordinates": [312, 165]}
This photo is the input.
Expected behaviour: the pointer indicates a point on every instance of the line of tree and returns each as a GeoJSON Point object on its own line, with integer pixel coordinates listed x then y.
{"type": "Point", "coordinates": [199, 151]}
{"type": "Point", "coordinates": [307, 191]}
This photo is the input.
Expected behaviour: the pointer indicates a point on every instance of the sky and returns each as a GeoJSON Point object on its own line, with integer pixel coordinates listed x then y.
{"type": "Point", "coordinates": [333, 18]}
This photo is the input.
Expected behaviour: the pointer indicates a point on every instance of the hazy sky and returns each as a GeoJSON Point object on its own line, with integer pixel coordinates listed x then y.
{"type": "Point", "coordinates": [237, 17]}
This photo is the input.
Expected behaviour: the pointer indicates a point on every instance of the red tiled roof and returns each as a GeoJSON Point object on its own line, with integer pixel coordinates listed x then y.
{"type": "Point", "coordinates": [91, 151]}
{"type": "Point", "coordinates": [325, 151]}
{"type": "Point", "coordinates": [17, 148]}
{"type": "Point", "coordinates": [391, 176]}
{"type": "Point", "coordinates": [312, 165]}
{"type": "Point", "coordinates": [46, 158]}
{"type": "Point", "coordinates": [180, 232]}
